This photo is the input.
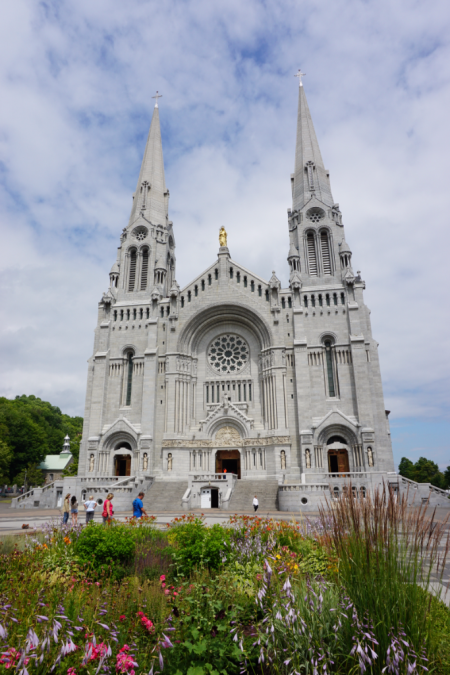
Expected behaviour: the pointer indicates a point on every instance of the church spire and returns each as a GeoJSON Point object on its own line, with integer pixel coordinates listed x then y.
{"type": "Point", "coordinates": [310, 178]}
{"type": "Point", "coordinates": [152, 197]}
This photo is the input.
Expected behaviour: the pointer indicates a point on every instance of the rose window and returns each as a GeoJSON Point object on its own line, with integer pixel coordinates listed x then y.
{"type": "Point", "coordinates": [228, 354]}
{"type": "Point", "coordinates": [315, 214]}
{"type": "Point", "coordinates": [140, 233]}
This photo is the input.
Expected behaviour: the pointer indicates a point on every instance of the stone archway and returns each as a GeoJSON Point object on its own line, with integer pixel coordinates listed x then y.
{"type": "Point", "coordinates": [228, 459]}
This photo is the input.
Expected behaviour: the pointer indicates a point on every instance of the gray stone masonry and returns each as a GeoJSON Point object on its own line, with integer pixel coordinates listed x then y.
{"type": "Point", "coordinates": [233, 373]}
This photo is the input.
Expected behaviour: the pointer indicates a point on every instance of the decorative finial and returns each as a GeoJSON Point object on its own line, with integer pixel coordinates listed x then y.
{"type": "Point", "coordinates": [222, 236]}
{"type": "Point", "coordinates": [299, 74]}
{"type": "Point", "coordinates": [158, 95]}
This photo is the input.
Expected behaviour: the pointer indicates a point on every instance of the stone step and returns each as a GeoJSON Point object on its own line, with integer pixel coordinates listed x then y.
{"type": "Point", "coordinates": [245, 490]}
{"type": "Point", "coordinates": [165, 496]}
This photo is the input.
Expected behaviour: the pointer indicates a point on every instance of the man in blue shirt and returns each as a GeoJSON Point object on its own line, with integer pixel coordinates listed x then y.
{"type": "Point", "coordinates": [138, 506]}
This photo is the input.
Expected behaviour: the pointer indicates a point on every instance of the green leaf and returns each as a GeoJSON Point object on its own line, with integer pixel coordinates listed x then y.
{"type": "Point", "coordinates": [195, 670]}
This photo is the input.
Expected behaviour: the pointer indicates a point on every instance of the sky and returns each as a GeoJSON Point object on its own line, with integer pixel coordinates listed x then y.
{"type": "Point", "coordinates": [76, 86]}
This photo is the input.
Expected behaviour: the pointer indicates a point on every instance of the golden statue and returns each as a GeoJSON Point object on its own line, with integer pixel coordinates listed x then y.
{"type": "Point", "coordinates": [223, 236]}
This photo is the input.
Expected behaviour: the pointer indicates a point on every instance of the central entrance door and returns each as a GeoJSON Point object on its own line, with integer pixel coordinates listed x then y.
{"type": "Point", "coordinates": [338, 461]}
{"type": "Point", "coordinates": [122, 465]}
{"type": "Point", "coordinates": [228, 461]}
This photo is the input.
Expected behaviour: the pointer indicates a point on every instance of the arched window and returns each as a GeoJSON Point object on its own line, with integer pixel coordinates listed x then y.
{"type": "Point", "coordinates": [312, 255]}
{"type": "Point", "coordinates": [144, 271]}
{"type": "Point", "coordinates": [289, 301]}
{"type": "Point", "coordinates": [209, 280]}
{"type": "Point", "coordinates": [252, 286]}
{"type": "Point", "coordinates": [132, 274]}
{"type": "Point", "coordinates": [129, 378]}
{"type": "Point", "coordinates": [330, 373]}
{"type": "Point", "coordinates": [326, 255]}
{"type": "Point", "coordinates": [283, 303]}
{"type": "Point", "coordinates": [203, 284]}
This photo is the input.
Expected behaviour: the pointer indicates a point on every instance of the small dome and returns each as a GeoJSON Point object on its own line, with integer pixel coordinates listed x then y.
{"type": "Point", "coordinates": [115, 268]}
{"type": "Point", "coordinates": [344, 247]}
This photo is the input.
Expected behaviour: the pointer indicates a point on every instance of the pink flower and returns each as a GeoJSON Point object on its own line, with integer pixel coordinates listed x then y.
{"type": "Point", "coordinates": [72, 671]}
{"type": "Point", "coordinates": [124, 661]}
{"type": "Point", "coordinates": [122, 617]}
{"type": "Point", "coordinates": [162, 577]}
{"type": "Point", "coordinates": [167, 591]}
{"type": "Point", "coordinates": [163, 585]}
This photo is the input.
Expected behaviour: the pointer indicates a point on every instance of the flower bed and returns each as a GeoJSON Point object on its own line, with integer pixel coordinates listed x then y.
{"type": "Point", "coordinates": [338, 595]}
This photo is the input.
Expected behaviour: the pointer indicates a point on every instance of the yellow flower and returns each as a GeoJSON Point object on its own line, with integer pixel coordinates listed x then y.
{"type": "Point", "coordinates": [279, 557]}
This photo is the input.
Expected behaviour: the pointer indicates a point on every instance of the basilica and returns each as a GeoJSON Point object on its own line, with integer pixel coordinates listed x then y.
{"type": "Point", "coordinates": [204, 395]}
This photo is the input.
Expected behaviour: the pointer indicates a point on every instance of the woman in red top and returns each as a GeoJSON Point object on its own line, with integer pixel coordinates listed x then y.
{"type": "Point", "coordinates": [108, 511]}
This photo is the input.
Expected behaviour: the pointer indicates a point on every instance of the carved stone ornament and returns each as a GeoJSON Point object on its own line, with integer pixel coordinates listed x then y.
{"type": "Point", "coordinates": [349, 277]}
{"type": "Point", "coordinates": [237, 442]}
{"type": "Point", "coordinates": [295, 280]}
{"type": "Point", "coordinates": [227, 436]}
{"type": "Point", "coordinates": [108, 298]}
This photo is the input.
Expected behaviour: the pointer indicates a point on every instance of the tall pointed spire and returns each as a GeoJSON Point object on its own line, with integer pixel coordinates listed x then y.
{"type": "Point", "coordinates": [310, 177]}
{"type": "Point", "coordinates": [152, 197]}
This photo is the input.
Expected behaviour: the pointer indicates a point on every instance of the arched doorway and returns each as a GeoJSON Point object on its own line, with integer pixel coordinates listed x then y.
{"type": "Point", "coordinates": [228, 461]}
{"type": "Point", "coordinates": [122, 465]}
{"type": "Point", "coordinates": [338, 461]}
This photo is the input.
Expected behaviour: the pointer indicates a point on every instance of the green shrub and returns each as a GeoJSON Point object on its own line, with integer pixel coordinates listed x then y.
{"type": "Point", "coordinates": [106, 547]}
{"type": "Point", "coordinates": [197, 545]}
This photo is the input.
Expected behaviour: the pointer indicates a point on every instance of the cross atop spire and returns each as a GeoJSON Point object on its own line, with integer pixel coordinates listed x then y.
{"type": "Point", "coordinates": [157, 96]}
{"type": "Point", "coordinates": [299, 74]}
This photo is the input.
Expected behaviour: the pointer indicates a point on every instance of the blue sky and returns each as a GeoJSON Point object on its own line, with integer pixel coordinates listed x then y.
{"type": "Point", "coordinates": [76, 81]}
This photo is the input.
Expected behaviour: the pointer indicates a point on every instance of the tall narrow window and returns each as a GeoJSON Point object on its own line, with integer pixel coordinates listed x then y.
{"type": "Point", "coordinates": [245, 282]}
{"type": "Point", "coordinates": [231, 272]}
{"type": "Point", "coordinates": [129, 377]}
{"type": "Point", "coordinates": [259, 291]}
{"type": "Point", "coordinates": [267, 294]}
{"type": "Point", "coordinates": [203, 284]}
{"type": "Point", "coordinates": [216, 274]}
{"type": "Point", "coordinates": [238, 277]}
{"type": "Point", "coordinates": [342, 298]}
{"type": "Point", "coordinates": [144, 271]}
{"type": "Point", "coordinates": [283, 303]}
{"type": "Point", "coordinates": [289, 301]}
{"type": "Point", "coordinates": [209, 280]}
{"type": "Point", "coordinates": [305, 300]}
{"type": "Point", "coordinates": [252, 286]}
{"type": "Point", "coordinates": [115, 315]}
{"type": "Point", "coordinates": [312, 256]}
{"type": "Point", "coordinates": [249, 392]}
{"type": "Point", "coordinates": [330, 374]}
{"type": "Point", "coordinates": [325, 247]}
{"type": "Point", "coordinates": [147, 313]}
{"type": "Point", "coordinates": [207, 394]}
{"type": "Point", "coordinates": [132, 276]}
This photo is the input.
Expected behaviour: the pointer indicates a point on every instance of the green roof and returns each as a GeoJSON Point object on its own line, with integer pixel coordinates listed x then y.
{"type": "Point", "coordinates": [55, 462]}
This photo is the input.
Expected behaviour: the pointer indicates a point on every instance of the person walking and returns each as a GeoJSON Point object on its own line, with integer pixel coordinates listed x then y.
{"type": "Point", "coordinates": [66, 509]}
{"type": "Point", "coordinates": [255, 503]}
{"type": "Point", "coordinates": [74, 510]}
{"type": "Point", "coordinates": [138, 506]}
{"type": "Point", "coordinates": [108, 511]}
{"type": "Point", "coordinates": [90, 505]}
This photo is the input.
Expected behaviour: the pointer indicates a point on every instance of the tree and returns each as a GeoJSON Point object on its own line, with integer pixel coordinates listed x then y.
{"type": "Point", "coordinates": [447, 478]}
{"type": "Point", "coordinates": [423, 471]}
{"type": "Point", "coordinates": [34, 477]}
{"type": "Point", "coordinates": [5, 461]}
{"type": "Point", "coordinates": [406, 468]}
{"type": "Point", "coordinates": [33, 428]}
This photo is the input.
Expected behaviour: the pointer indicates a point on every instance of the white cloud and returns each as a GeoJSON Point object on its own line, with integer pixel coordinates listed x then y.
{"type": "Point", "coordinates": [75, 84]}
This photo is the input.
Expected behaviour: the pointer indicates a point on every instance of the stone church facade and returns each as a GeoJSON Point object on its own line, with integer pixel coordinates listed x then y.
{"type": "Point", "coordinates": [232, 382]}
{"type": "Point", "coordinates": [234, 372]}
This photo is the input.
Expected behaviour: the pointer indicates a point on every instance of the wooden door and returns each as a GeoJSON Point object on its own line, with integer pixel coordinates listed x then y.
{"type": "Point", "coordinates": [343, 465]}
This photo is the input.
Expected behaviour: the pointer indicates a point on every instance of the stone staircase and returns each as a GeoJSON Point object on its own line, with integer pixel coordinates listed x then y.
{"type": "Point", "coordinates": [245, 490]}
{"type": "Point", "coordinates": [165, 496]}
